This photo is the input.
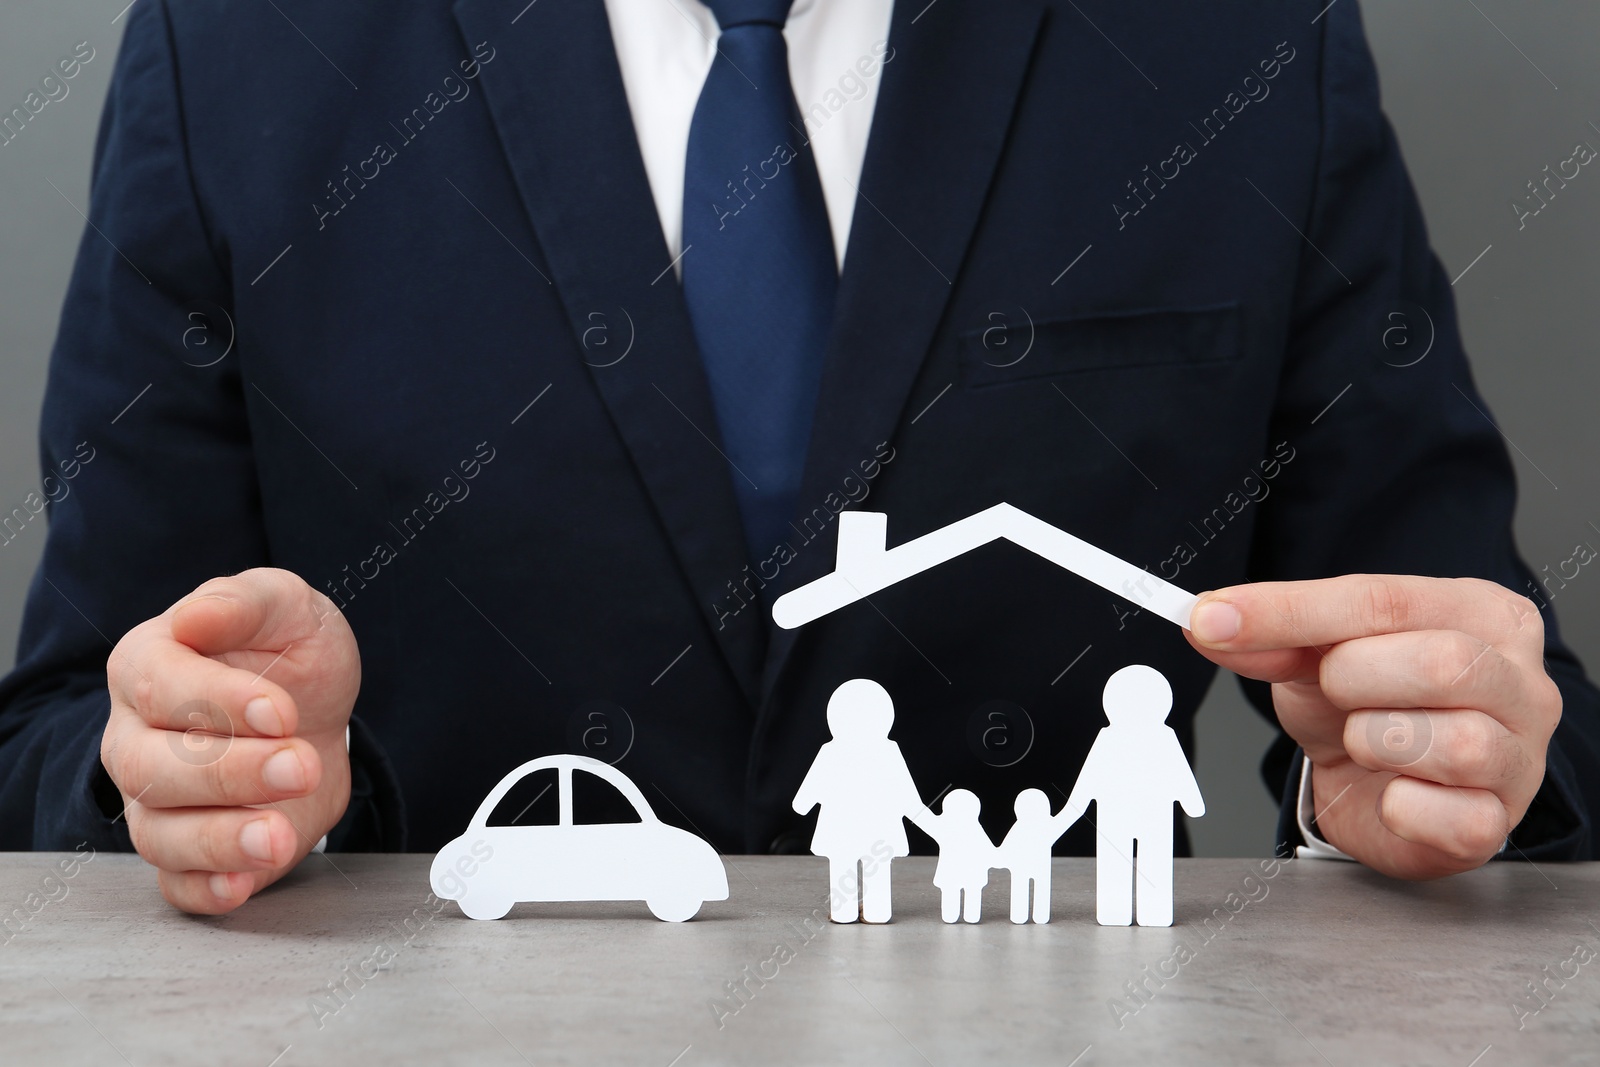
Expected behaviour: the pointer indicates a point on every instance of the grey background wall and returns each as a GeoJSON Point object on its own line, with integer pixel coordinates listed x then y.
{"type": "Point", "coordinates": [1484, 94]}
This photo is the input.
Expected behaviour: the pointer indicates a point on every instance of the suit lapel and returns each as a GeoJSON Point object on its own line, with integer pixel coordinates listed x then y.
{"type": "Point", "coordinates": [559, 107]}
{"type": "Point", "coordinates": [943, 112]}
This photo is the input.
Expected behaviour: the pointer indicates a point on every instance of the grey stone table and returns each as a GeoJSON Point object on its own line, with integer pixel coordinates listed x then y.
{"type": "Point", "coordinates": [349, 961]}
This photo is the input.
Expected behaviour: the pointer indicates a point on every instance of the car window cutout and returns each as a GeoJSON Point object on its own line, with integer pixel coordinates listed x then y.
{"type": "Point", "coordinates": [595, 800]}
{"type": "Point", "coordinates": [532, 801]}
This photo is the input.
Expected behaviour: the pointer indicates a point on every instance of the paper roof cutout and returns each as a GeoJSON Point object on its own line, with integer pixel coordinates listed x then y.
{"type": "Point", "coordinates": [864, 565]}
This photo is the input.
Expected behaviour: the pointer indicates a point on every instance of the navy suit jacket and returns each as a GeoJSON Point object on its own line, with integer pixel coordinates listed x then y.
{"type": "Point", "coordinates": [388, 304]}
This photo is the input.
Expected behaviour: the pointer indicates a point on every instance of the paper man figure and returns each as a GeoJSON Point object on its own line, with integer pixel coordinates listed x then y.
{"type": "Point", "coordinates": [861, 781]}
{"type": "Point", "coordinates": [1134, 772]}
{"type": "Point", "coordinates": [1026, 852]}
{"type": "Point", "coordinates": [965, 856]}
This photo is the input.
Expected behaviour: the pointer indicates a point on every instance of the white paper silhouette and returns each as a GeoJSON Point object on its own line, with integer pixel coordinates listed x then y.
{"type": "Point", "coordinates": [490, 868]}
{"type": "Point", "coordinates": [864, 565]}
{"type": "Point", "coordinates": [865, 791]}
{"type": "Point", "coordinates": [1134, 772]}
{"type": "Point", "coordinates": [1025, 853]}
{"type": "Point", "coordinates": [965, 856]}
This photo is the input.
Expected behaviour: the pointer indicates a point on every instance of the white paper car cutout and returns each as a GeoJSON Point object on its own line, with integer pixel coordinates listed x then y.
{"type": "Point", "coordinates": [490, 868]}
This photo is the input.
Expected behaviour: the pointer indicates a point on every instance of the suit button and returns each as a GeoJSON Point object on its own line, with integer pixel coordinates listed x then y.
{"type": "Point", "coordinates": [790, 843]}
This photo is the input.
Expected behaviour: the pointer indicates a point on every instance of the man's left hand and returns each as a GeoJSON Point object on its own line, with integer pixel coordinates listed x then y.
{"type": "Point", "coordinates": [1422, 703]}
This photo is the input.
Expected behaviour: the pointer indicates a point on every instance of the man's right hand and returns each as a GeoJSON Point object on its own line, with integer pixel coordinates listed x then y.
{"type": "Point", "coordinates": [227, 734]}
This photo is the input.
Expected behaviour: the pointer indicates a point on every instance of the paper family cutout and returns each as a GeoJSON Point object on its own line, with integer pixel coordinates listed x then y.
{"type": "Point", "coordinates": [1134, 772]}
{"type": "Point", "coordinates": [490, 868]}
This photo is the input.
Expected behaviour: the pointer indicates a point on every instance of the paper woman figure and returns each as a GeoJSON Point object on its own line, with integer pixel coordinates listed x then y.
{"type": "Point", "coordinates": [861, 781]}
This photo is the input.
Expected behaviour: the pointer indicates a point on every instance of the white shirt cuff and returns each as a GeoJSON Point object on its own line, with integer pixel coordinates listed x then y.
{"type": "Point", "coordinates": [1316, 847]}
{"type": "Point", "coordinates": [322, 846]}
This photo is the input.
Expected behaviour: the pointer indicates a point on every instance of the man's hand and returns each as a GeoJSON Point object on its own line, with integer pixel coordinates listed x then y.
{"type": "Point", "coordinates": [1422, 703]}
{"type": "Point", "coordinates": [227, 734]}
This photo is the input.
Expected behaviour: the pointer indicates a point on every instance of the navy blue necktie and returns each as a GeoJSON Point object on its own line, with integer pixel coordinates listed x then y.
{"type": "Point", "coordinates": [759, 273]}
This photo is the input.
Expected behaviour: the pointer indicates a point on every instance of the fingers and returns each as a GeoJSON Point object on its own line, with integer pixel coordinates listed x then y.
{"type": "Point", "coordinates": [1408, 828]}
{"type": "Point", "coordinates": [1425, 699]}
{"type": "Point", "coordinates": [212, 893]}
{"type": "Point", "coordinates": [211, 859]}
{"type": "Point", "coordinates": [1431, 669]}
{"type": "Point", "coordinates": [1464, 827]}
{"type": "Point", "coordinates": [169, 769]}
{"type": "Point", "coordinates": [198, 739]}
{"type": "Point", "coordinates": [1264, 616]}
{"type": "Point", "coordinates": [1316, 723]}
{"type": "Point", "coordinates": [1273, 665]}
{"type": "Point", "coordinates": [212, 840]}
{"type": "Point", "coordinates": [1461, 748]}
{"type": "Point", "coordinates": [173, 687]}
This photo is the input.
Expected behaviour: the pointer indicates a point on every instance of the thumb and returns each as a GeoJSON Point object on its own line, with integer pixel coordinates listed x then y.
{"type": "Point", "coordinates": [264, 609]}
{"type": "Point", "coordinates": [1267, 665]}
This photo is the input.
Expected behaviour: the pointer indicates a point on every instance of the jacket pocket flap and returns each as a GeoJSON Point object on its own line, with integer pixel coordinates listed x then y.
{"type": "Point", "coordinates": [1099, 340]}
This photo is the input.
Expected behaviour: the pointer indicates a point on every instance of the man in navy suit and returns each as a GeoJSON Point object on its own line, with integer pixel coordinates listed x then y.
{"type": "Point", "coordinates": [389, 333]}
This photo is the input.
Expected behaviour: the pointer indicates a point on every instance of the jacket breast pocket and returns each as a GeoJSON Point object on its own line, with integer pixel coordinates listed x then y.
{"type": "Point", "coordinates": [1008, 351]}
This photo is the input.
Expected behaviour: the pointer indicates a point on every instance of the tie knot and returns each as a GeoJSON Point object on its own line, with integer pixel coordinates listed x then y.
{"type": "Point", "coordinates": [731, 13]}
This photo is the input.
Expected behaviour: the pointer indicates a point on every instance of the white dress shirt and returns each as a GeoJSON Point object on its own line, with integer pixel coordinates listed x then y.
{"type": "Point", "coordinates": [836, 53]}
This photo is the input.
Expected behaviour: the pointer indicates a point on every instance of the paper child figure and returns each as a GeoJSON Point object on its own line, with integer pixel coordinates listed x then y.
{"type": "Point", "coordinates": [1026, 852]}
{"type": "Point", "coordinates": [1134, 772]}
{"type": "Point", "coordinates": [965, 856]}
{"type": "Point", "coordinates": [861, 781]}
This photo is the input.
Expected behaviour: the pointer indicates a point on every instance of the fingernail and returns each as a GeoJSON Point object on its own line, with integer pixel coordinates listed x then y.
{"type": "Point", "coordinates": [256, 840]}
{"type": "Point", "coordinates": [221, 887]}
{"type": "Point", "coordinates": [284, 773]}
{"type": "Point", "coordinates": [263, 718]}
{"type": "Point", "coordinates": [1215, 622]}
